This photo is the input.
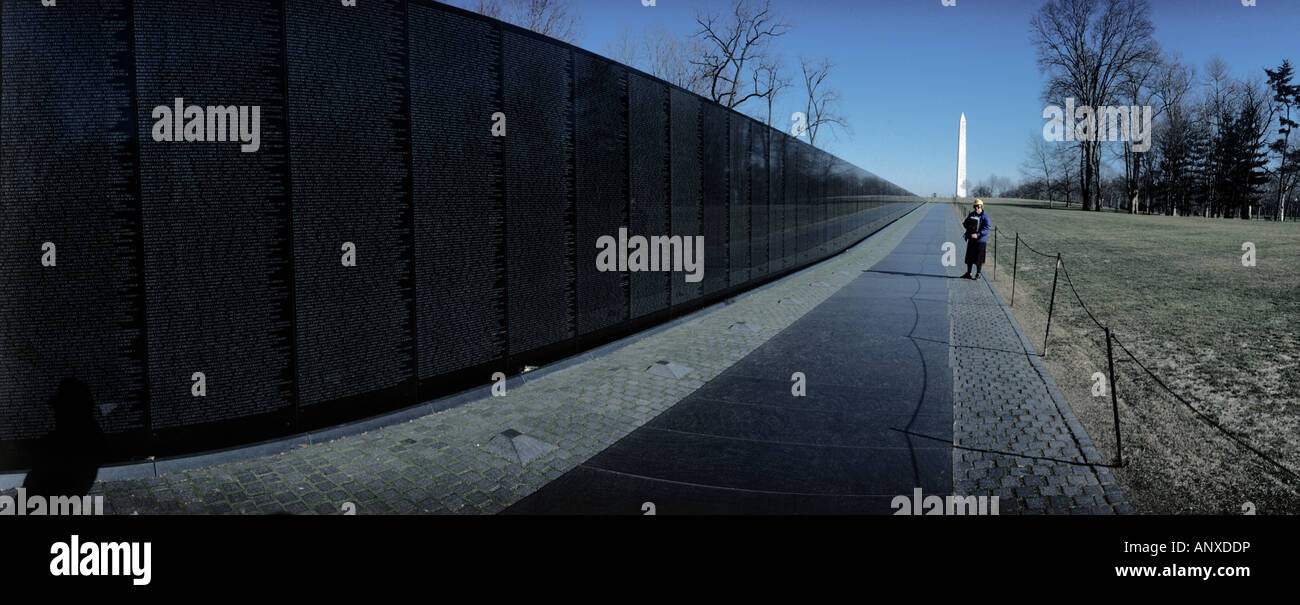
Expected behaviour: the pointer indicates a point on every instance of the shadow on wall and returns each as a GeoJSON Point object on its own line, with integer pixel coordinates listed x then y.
{"type": "Point", "coordinates": [68, 459]}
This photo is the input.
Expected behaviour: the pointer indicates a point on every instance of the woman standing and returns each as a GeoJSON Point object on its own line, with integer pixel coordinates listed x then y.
{"type": "Point", "coordinates": [977, 227]}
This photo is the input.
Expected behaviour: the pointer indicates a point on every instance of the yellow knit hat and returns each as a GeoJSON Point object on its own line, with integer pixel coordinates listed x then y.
{"type": "Point", "coordinates": [979, 202]}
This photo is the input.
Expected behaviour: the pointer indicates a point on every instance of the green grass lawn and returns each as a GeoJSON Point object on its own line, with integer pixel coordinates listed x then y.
{"type": "Point", "coordinates": [1175, 292]}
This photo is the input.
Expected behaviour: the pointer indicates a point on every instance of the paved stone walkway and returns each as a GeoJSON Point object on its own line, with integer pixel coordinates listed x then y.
{"type": "Point", "coordinates": [1015, 436]}
{"type": "Point", "coordinates": [874, 364]}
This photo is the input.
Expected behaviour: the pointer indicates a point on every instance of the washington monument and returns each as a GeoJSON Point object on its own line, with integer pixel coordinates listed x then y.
{"type": "Point", "coordinates": [961, 157]}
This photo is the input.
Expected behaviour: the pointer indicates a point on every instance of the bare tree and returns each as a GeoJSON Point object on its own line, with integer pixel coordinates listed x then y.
{"type": "Point", "coordinates": [1222, 94]}
{"type": "Point", "coordinates": [1138, 87]}
{"type": "Point", "coordinates": [997, 185]}
{"type": "Point", "coordinates": [625, 48]}
{"type": "Point", "coordinates": [771, 77]}
{"type": "Point", "coordinates": [669, 57]}
{"type": "Point", "coordinates": [488, 8]}
{"type": "Point", "coordinates": [1039, 164]}
{"type": "Point", "coordinates": [554, 18]}
{"type": "Point", "coordinates": [821, 102]}
{"type": "Point", "coordinates": [1221, 89]}
{"type": "Point", "coordinates": [1064, 160]}
{"type": "Point", "coordinates": [660, 53]}
{"type": "Point", "coordinates": [1084, 48]}
{"type": "Point", "coordinates": [735, 48]}
{"type": "Point", "coordinates": [1173, 136]}
{"type": "Point", "coordinates": [1173, 82]}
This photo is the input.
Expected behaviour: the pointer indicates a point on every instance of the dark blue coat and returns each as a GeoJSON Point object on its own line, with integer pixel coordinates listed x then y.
{"type": "Point", "coordinates": [982, 226]}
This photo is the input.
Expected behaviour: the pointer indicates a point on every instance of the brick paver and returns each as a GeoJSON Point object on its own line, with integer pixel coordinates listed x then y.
{"type": "Point", "coordinates": [1015, 435]}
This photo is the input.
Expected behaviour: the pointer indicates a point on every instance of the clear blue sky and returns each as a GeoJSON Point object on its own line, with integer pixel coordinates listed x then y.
{"type": "Point", "coordinates": [909, 68]}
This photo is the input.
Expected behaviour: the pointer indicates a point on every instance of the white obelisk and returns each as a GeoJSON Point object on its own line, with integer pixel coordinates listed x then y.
{"type": "Point", "coordinates": [961, 157]}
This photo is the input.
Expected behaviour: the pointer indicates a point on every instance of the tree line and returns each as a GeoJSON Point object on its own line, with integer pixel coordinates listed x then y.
{"type": "Point", "coordinates": [1221, 145]}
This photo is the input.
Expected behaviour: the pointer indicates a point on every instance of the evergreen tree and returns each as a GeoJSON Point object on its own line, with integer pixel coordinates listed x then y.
{"type": "Point", "coordinates": [1286, 95]}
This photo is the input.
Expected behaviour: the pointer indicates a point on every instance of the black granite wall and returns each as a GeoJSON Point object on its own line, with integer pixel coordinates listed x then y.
{"type": "Point", "coordinates": [381, 245]}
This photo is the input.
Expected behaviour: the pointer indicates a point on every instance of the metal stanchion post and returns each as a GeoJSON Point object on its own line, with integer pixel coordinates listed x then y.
{"type": "Point", "coordinates": [1052, 304]}
{"type": "Point", "coordinates": [1114, 398]}
{"type": "Point", "coordinates": [1015, 261]}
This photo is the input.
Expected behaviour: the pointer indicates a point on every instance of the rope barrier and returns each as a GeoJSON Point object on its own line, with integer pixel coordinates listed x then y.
{"type": "Point", "coordinates": [1201, 414]}
{"type": "Point", "coordinates": [1111, 337]}
{"type": "Point", "coordinates": [1077, 297]}
{"type": "Point", "coordinates": [1025, 244]}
